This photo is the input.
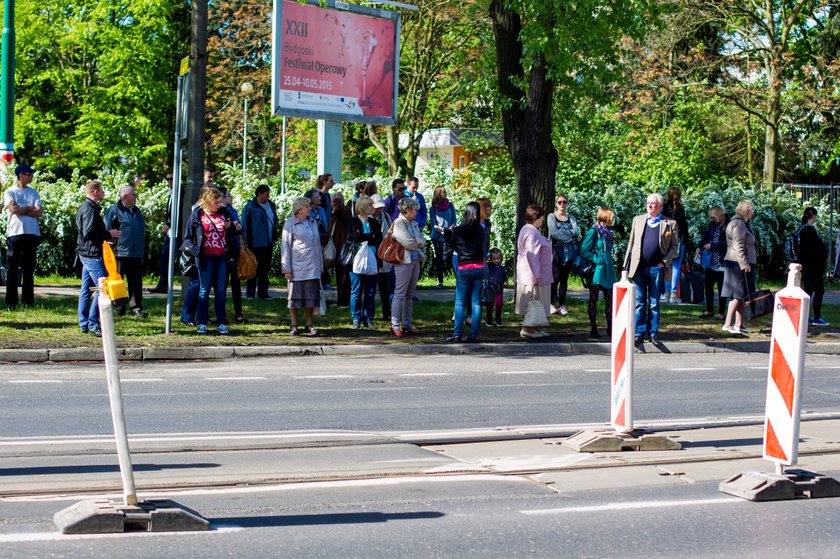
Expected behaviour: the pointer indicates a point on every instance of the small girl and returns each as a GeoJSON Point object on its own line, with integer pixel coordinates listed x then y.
{"type": "Point", "coordinates": [497, 274]}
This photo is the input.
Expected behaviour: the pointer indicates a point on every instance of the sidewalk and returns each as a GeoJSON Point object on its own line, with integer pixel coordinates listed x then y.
{"type": "Point", "coordinates": [535, 347]}
{"type": "Point", "coordinates": [712, 451]}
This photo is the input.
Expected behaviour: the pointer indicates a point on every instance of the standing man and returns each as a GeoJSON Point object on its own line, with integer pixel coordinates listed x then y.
{"type": "Point", "coordinates": [259, 225]}
{"type": "Point", "coordinates": [163, 269]}
{"type": "Point", "coordinates": [22, 236]}
{"type": "Point", "coordinates": [92, 233]}
{"type": "Point", "coordinates": [653, 244]}
{"type": "Point", "coordinates": [126, 216]}
{"type": "Point", "coordinates": [324, 183]}
{"type": "Point", "coordinates": [422, 213]}
{"type": "Point", "coordinates": [392, 202]}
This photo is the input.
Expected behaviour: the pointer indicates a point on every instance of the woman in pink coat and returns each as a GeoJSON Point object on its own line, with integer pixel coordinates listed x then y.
{"type": "Point", "coordinates": [533, 268]}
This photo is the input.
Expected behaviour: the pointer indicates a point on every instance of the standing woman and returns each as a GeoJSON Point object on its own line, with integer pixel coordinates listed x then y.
{"type": "Point", "coordinates": [674, 209]}
{"type": "Point", "coordinates": [533, 268]}
{"type": "Point", "coordinates": [598, 247]}
{"type": "Point", "coordinates": [302, 264]}
{"type": "Point", "coordinates": [563, 231]}
{"type": "Point", "coordinates": [384, 271]}
{"type": "Point", "coordinates": [206, 235]}
{"type": "Point", "coordinates": [406, 232]}
{"type": "Point", "coordinates": [366, 234]}
{"type": "Point", "coordinates": [468, 239]}
{"type": "Point", "coordinates": [714, 242]}
{"type": "Point", "coordinates": [812, 253]}
{"type": "Point", "coordinates": [234, 245]}
{"type": "Point", "coordinates": [441, 217]}
{"type": "Point", "coordinates": [738, 273]}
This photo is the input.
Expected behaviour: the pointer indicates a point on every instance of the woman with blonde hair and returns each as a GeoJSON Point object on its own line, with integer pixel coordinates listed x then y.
{"type": "Point", "coordinates": [738, 273]}
{"type": "Point", "coordinates": [598, 246]}
{"type": "Point", "coordinates": [406, 232]}
{"type": "Point", "coordinates": [206, 235]}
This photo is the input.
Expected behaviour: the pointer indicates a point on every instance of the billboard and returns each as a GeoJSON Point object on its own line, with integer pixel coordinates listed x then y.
{"type": "Point", "coordinates": [335, 63]}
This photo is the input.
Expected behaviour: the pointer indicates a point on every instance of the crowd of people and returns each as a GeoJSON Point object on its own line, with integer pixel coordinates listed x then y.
{"type": "Point", "coordinates": [326, 238]}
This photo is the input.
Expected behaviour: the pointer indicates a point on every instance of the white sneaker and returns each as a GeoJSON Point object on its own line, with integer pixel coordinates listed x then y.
{"type": "Point", "coordinates": [563, 310]}
{"type": "Point", "coordinates": [730, 329]}
{"type": "Point", "coordinates": [553, 310]}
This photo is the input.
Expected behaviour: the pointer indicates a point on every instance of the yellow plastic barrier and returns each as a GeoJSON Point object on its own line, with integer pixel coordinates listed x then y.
{"type": "Point", "coordinates": [114, 285]}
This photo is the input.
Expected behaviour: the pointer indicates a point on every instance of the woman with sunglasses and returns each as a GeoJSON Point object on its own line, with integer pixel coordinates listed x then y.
{"type": "Point", "coordinates": [565, 239]}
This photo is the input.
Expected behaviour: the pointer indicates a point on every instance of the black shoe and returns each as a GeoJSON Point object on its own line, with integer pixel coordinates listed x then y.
{"type": "Point", "coordinates": [471, 339]}
{"type": "Point", "coordinates": [187, 322]}
{"type": "Point", "coordinates": [95, 331]}
{"type": "Point", "coordinates": [453, 339]}
{"type": "Point", "coordinates": [156, 290]}
{"type": "Point", "coordinates": [654, 339]}
{"type": "Point", "coordinates": [137, 313]}
{"type": "Point", "coordinates": [637, 340]}
{"type": "Point", "coordinates": [593, 334]}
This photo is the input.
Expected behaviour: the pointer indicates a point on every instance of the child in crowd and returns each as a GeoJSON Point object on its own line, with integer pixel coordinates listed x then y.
{"type": "Point", "coordinates": [497, 274]}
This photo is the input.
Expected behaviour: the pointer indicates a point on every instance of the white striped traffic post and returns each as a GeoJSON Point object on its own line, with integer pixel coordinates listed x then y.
{"type": "Point", "coordinates": [784, 376]}
{"type": "Point", "coordinates": [621, 362]}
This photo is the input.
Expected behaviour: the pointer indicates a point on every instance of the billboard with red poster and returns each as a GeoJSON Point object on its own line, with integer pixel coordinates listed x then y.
{"type": "Point", "coordinates": [338, 62]}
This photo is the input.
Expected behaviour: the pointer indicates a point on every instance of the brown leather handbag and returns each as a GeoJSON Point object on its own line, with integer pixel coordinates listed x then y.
{"type": "Point", "coordinates": [390, 250]}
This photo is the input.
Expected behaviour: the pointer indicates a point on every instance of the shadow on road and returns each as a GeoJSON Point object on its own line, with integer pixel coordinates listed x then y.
{"type": "Point", "coordinates": [320, 519]}
{"type": "Point", "coordinates": [99, 469]}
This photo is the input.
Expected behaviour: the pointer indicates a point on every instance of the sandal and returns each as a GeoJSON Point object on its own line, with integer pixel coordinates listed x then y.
{"type": "Point", "coordinates": [294, 331]}
{"type": "Point", "coordinates": [312, 331]}
{"type": "Point", "coordinates": [706, 314]}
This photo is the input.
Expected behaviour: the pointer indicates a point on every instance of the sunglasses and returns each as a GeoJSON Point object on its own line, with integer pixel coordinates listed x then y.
{"type": "Point", "coordinates": [562, 202]}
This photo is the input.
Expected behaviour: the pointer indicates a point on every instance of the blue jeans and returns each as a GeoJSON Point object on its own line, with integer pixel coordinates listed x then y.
{"type": "Point", "coordinates": [362, 293]}
{"type": "Point", "coordinates": [647, 295]}
{"type": "Point", "coordinates": [468, 288]}
{"type": "Point", "coordinates": [212, 273]}
{"type": "Point", "coordinates": [676, 264]}
{"type": "Point", "coordinates": [92, 270]}
{"type": "Point", "coordinates": [190, 301]}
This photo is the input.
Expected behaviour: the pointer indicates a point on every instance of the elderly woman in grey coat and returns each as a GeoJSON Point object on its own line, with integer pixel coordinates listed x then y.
{"type": "Point", "coordinates": [738, 273]}
{"type": "Point", "coordinates": [406, 232]}
{"type": "Point", "coordinates": [302, 263]}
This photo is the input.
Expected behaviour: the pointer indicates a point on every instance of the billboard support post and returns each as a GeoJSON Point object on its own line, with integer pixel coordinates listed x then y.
{"type": "Point", "coordinates": [330, 146]}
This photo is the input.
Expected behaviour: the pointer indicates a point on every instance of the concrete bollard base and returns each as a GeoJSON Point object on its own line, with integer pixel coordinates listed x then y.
{"type": "Point", "coordinates": [793, 484]}
{"type": "Point", "coordinates": [106, 517]}
{"type": "Point", "coordinates": [606, 440]}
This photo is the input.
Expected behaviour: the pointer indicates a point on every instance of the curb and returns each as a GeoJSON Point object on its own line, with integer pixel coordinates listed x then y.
{"type": "Point", "coordinates": [204, 353]}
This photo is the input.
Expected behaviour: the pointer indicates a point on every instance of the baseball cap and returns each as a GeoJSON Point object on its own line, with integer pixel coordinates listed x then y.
{"type": "Point", "coordinates": [24, 168]}
{"type": "Point", "coordinates": [377, 201]}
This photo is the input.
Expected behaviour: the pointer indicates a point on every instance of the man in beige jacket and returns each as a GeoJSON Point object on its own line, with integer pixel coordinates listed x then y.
{"type": "Point", "coordinates": [653, 243]}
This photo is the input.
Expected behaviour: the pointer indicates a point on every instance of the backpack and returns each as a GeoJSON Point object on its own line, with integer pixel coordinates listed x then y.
{"type": "Point", "coordinates": [792, 246]}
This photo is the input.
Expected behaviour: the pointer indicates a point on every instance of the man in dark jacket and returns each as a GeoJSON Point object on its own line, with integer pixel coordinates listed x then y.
{"type": "Point", "coordinates": [92, 233]}
{"type": "Point", "coordinates": [126, 216]}
{"type": "Point", "coordinates": [259, 228]}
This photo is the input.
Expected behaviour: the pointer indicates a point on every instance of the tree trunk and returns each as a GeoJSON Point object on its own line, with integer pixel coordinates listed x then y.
{"type": "Point", "coordinates": [771, 138]}
{"type": "Point", "coordinates": [198, 101]}
{"type": "Point", "coordinates": [389, 150]}
{"type": "Point", "coordinates": [526, 115]}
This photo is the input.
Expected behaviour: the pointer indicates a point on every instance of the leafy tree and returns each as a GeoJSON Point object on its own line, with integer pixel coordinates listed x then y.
{"type": "Point", "coordinates": [547, 53]}
{"type": "Point", "coordinates": [95, 82]}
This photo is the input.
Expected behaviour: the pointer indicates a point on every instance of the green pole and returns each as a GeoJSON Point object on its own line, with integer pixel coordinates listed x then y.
{"type": "Point", "coordinates": [7, 85]}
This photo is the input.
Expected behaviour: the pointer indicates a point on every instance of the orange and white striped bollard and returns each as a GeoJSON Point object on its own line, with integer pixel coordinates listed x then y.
{"type": "Point", "coordinates": [621, 355]}
{"type": "Point", "coordinates": [784, 376]}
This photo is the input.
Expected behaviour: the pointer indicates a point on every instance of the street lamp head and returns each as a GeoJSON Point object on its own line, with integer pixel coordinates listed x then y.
{"type": "Point", "coordinates": [246, 88]}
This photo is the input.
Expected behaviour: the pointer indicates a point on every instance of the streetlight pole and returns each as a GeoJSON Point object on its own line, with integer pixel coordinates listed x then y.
{"type": "Point", "coordinates": [7, 87]}
{"type": "Point", "coordinates": [246, 90]}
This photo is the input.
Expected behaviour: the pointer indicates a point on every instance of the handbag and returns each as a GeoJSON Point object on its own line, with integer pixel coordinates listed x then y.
{"type": "Point", "coordinates": [188, 263]}
{"type": "Point", "coordinates": [390, 250]}
{"type": "Point", "coordinates": [330, 252]}
{"type": "Point", "coordinates": [364, 263]}
{"type": "Point", "coordinates": [489, 288]}
{"type": "Point", "coordinates": [246, 264]}
{"type": "Point", "coordinates": [535, 316]}
{"type": "Point", "coordinates": [758, 303]}
{"type": "Point", "coordinates": [569, 252]}
{"type": "Point", "coordinates": [347, 254]}
{"type": "Point", "coordinates": [583, 267]}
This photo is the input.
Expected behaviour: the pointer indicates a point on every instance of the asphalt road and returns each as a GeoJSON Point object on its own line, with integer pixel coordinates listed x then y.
{"type": "Point", "coordinates": [491, 517]}
{"type": "Point", "coordinates": [389, 393]}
